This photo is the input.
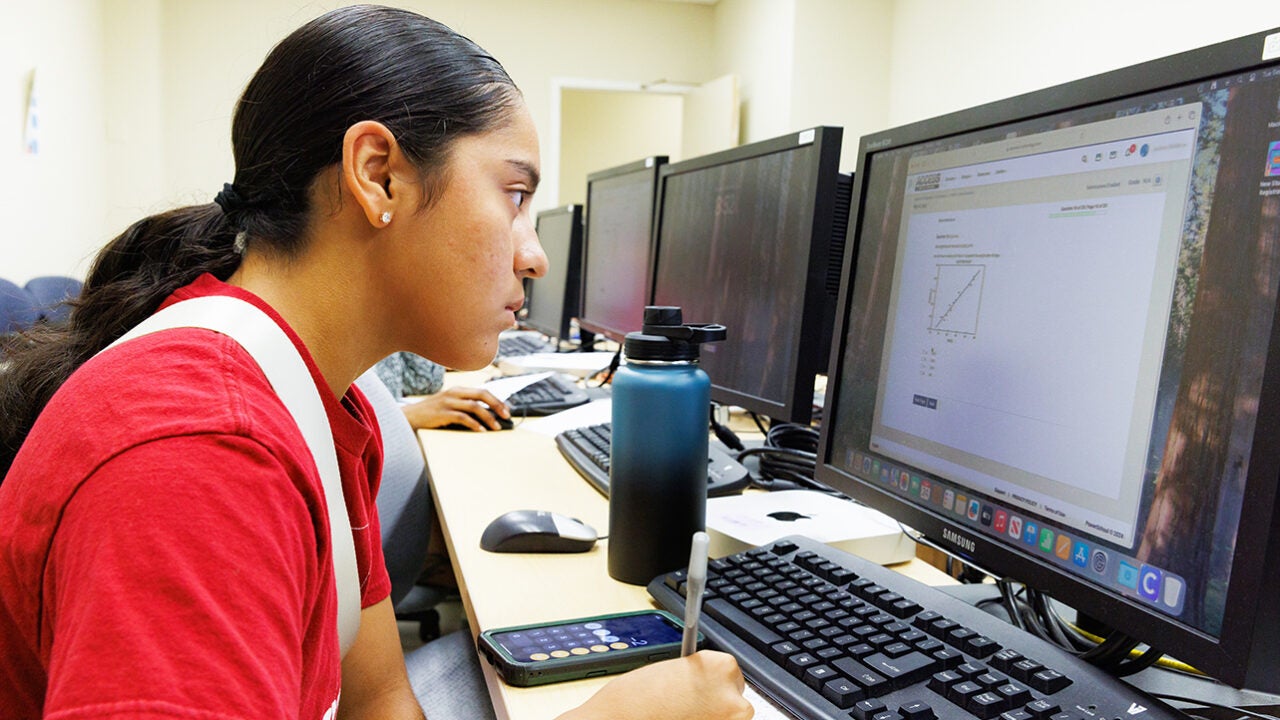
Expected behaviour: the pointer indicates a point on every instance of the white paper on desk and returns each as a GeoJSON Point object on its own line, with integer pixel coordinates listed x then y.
{"type": "Point", "coordinates": [581, 364]}
{"type": "Point", "coordinates": [592, 413]}
{"type": "Point", "coordinates": [765, 708]}
{"type": "Point", "coordinates": [505, 387]}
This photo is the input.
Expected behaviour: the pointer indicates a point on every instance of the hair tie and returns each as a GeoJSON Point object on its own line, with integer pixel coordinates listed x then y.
{"type": "Point", "coordinates": [229, 200]}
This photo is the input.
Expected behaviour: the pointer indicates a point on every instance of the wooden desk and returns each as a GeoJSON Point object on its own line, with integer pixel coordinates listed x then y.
{"type": "Point", "coordinates": [478, 476]}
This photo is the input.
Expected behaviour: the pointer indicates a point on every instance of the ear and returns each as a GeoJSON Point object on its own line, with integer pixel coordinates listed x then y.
{"type": "Point", "coordinates": [367, 151]}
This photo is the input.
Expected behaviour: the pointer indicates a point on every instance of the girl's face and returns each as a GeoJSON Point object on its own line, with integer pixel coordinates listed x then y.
{"type": "Point", "coordinates": [459, 277]}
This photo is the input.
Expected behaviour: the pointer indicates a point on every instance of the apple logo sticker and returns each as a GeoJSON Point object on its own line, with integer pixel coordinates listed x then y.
{"type": "Point", "coordinates": [787, 516]}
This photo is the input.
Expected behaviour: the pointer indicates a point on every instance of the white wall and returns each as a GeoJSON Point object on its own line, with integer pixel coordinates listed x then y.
{"type": "Point", "coordinates": [133, 118]}
{"type": "Point", "coordinates": [603, 129]}
{"type": "Point", "coordinates": [136, 96]}
{"type": "Point", "coordinates": [841, 71]}
{"type": "Point", "coordinates": [951, 54]}
{"type": "Point", "coordinates": [755, 40]}
{"type": "Point", "coordinates": [50, 203]}
{"type": "Point", "coordinates": [212, 47]}
{"type": "Point", "coordinates": [803, 63]}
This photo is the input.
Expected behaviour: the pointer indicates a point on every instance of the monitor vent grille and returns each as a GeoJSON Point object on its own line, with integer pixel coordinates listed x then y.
{"type": "Point", "coordinates": [839, 231]}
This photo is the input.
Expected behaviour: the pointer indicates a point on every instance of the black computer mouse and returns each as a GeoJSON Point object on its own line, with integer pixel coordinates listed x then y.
{"type": "Point", "coordinates": [503, 423]}
{"type": "Point", "coordinates": [537, 531]}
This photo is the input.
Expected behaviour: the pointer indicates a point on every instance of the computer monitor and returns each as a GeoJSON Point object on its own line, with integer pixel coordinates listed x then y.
{"type": "Point", "coordinates": [1058, 356]}
{"type": "Point", "coordinates": [752, 238]}
{"type": "Point", "coordinates": [553, 298]}
{"type": "Point", "coordinates": [616, 256]}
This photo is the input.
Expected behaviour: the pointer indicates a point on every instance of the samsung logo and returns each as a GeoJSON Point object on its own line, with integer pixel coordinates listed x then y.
{"type": "Point", "coordinates": [956, 538]}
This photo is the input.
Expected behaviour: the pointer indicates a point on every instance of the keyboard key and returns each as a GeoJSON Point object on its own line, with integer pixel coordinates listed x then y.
{"type": "Point", "coordinates": [843, 692]}
{"type": "Point", "coordinates": [960, 692]}
{"type": "Point", "coordinates": [759, 636]}
{"type": "Point", "coordinates": [867, 709]}
{"type": "Point", "coordinates": [779, 652]}
{"type": "Point", "coordinates": [923, 619]}
{"type": "Point", "coordinates": [1041, 709]}
{"type": "Point", "coordinates": [947, 658]}
{"type": "Point", "coordinates": [917, 710]}
{"type": "Point", "coordinates": [1048, 681]}
{"type": "Point", "coordinates": [799, 663]}
{"type": "Point", "coordinates": [817, 676]}
{"type": "Point", "coordinates": [1013, 693]}
{"type": "Point", "coordinates": [985, 705]}
{"type": "Point", "coordinates": [942, 681]}
{"type": "Point", "coordinates": [829, 653]}
{"type": "Point", "coordinates": [981, 646]}
{"type": "Point", "coordinates": [904, 670]}
{"type": "Point", "coordinates": [989, 680]}
{"type": "Point", "coordinates": [1003, 659]}
{"type": "Point", "coordinates": [783, 547]}
{"type": "Point", "coordinates": [1024, 669]}
{"type": "Point", "coordinates": [864, 676]}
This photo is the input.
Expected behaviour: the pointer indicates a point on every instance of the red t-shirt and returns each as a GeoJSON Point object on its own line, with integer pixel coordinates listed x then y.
{"type": "Point", "coordinates": [164, 539]}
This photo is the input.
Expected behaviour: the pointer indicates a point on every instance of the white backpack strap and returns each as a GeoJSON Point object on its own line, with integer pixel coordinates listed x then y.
{"type": "Point", "coordinates": [287, 372]}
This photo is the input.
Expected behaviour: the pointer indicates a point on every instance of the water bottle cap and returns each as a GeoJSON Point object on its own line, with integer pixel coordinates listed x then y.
{"type": "Point", "coordinates": [666, 337]}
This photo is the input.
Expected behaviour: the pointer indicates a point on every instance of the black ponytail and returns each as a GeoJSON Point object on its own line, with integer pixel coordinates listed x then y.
{"type": "Point", "coordinates": [427, 84]}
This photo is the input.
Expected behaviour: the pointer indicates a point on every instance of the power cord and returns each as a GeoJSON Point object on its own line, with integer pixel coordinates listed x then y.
{"type": "Point", "coordinates": [788, 459]}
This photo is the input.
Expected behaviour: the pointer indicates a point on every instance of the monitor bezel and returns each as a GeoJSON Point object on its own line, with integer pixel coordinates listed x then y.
{"type": "Point", "coordinates": [646, 166]}
{"type": "Point", "coordinates": [815, 318]}
{"type": "Point", "coordinates": [1234, 657]}
{"type": "Point", "coordinates": [572, 290]}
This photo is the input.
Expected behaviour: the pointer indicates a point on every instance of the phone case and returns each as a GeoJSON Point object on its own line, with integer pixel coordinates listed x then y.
{"type": "Point", "coordinates": [582, 662]}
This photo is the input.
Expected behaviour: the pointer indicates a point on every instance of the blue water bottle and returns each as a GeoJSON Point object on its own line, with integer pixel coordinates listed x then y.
{"type": "Point", "coordinates": [658, 465]}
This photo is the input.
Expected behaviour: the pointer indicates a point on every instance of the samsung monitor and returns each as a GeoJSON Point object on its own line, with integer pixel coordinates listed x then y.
{"type": "Point", "coordinates": [553, 298]}
{"type": "Point", "coordinates": [617, 257]}
{"type": "Point", "coordinates": [1058, 356]}
{"type": "Point", "coordinates": [752, 238]}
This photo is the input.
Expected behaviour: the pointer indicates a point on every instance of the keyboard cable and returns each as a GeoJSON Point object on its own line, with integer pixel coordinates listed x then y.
{"type": "Point", "coordinates": [613, 367]}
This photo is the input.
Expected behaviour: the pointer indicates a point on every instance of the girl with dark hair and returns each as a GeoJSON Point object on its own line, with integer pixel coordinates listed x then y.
{"type": "Point", "coordinates": [164, 535]}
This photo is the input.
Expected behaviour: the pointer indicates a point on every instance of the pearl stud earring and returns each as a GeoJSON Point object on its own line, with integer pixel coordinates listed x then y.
{"type": "Point", "coordinates": [386, 217]}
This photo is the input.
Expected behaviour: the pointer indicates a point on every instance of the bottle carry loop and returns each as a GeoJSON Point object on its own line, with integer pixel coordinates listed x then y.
{"type": "Point", "coordinates": [287, 372]}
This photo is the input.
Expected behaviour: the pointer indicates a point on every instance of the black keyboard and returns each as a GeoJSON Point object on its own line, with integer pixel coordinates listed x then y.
{"type": "Point", "coordinates": [830, 635]}
{"type": "Point", "coordinates": [517, 345]}
{"type": "Point", "coordinates": [587, 450]}
{"type": "Point", "coordinates": [548, 395]}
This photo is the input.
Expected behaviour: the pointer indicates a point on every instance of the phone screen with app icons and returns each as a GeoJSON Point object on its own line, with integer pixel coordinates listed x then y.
{"type": "Point", "coordinates": [595, 636]}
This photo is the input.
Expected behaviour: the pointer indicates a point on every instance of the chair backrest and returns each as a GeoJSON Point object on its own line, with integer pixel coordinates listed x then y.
{"type": "Point", "coordinates": [18, 309]}
{"type": "Point", "coordinates": [51, 293]}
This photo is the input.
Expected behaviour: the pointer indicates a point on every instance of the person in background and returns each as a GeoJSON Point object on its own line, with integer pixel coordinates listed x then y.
{"type": "Point", "coordinates": [164, 532]}
{"type": "Point", "coordinates": [406, 374]}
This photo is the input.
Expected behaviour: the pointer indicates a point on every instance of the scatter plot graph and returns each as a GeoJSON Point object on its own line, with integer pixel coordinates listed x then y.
{"type": "Point", "coordinates": [957, 299]}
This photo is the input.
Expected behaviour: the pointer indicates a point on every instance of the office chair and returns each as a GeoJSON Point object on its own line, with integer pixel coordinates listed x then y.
{"type": "Point", "coordinates": [51, 293]}
{"type": "Point", "coordinates": [18, 309]}
{"type": "Point", "coordinates": [405, 510]}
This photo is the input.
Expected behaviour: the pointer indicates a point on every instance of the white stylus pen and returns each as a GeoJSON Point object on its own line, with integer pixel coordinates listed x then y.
{"type": "Point", "coordinates": [694, 586]}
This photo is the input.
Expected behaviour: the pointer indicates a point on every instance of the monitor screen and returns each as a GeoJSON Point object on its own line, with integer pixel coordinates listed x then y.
{"type": "Point", "coordinates": [616, 254]}
{"type": "Point", "coordinates": [742, 239]}
{"type": "Point", "coordinates": [553, 298]}
{"type": "Point", "coordinates": [1057, 356]}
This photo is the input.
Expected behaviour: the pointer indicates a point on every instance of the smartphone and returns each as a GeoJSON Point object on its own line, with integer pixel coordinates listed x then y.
{"type": "Point", "coordinates": [586, 647]}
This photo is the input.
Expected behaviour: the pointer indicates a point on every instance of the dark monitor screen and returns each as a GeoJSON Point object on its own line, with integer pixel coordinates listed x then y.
{"type": "Point", "coordinates": [553, 298]}
{"type": "Point", "coordinates": [617, 253]}
{"type": "Point", "coordinates": [743, 238]}
{"type": "Point", "coordinates": [1057, 356]}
